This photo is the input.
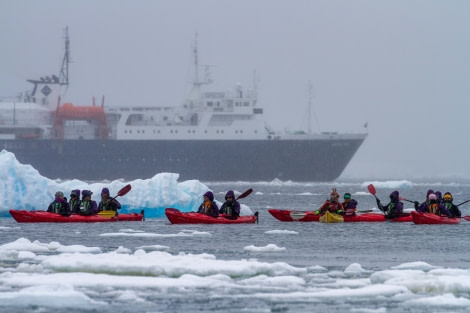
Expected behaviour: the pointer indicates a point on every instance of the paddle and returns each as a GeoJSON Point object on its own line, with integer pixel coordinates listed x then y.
{"type": "Point", "coordinates": [372, 191]}
{"type": "Point", "coordinates": [403, 199]}
{"type": "Point", "coordinates": [463, 203]}
{"type": "Point", "coordinates": [247, 193]}
{"type": "Point", "coordinates": [110, 213]}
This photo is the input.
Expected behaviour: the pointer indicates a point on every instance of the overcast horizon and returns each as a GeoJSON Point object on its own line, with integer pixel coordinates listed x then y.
{"type": "Point", "coordinates": [402, 67]}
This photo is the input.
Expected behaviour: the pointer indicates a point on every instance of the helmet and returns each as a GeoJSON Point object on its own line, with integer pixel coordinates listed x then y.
{"type": "Point", "coordinates": [347, 195]}
{"type": "Point", "coordinates": [432, 196]}
{"type": "Point", "coordinates": [59, 194]}
{"type": "Point", "coordinates": [448, 196]}
{"type": "Point", "coordinates": [105, 191]}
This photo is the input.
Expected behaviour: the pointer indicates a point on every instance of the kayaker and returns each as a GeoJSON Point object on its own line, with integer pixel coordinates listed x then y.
{"type": "Point", "coordinates": [434, 207]}
{"type": "Point", "coordinates": [423, 205]}
{"type": "Point", "coordinates": [208, 206]}
{"type": "Point", "coordinates": [449, 205]}
{"type": "Point", "coordinates": [59, 205]}
{"type": "Point", "coordinates": [87, 206]}
{"type": "Point", "coordinates": [74, 201]}
{"type": "Point", "coordinates": [349, 205]}
{"type": "Point", "coordinates": [108, 203]}
{"type": "Point", "coordinates": [332, 205]}
{"type": "Point", "coordinates": [394, 208]}
{"type": "Point", "coordinates": [231, 206]}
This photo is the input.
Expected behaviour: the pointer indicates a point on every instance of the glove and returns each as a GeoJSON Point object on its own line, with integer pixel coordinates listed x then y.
{"type": "Point", "coordinates": [378, 202]}
{"type": "Point", "coordinates": [416, 204]}
{"type": "Point", "coordinates": [339, 212]}
{"type": "Point", "coordinates": [317, 212]}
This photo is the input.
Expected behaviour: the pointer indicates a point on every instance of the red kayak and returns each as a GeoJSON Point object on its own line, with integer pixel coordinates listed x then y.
{"type": "Point", "coordinates": [48, 217]}
{"type": "Point", "coordinates": [428, 218]}
{"type": "Point", "coordinates": [177, 217]}
{"type": "Point", "coordinates": [309, 216]}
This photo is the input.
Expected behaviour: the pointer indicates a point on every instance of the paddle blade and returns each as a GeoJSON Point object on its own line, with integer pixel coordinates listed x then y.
{"type": "Point", "coordinates": [124, 190]}
{"type": "Point", "coordinates": [245, 194]}
{"type": "Point", "coordinates": [371, 189]}
{"type": "Point", "coordinates": [466, 217]}
{"type": "Point", "coordinates": [107, 213]}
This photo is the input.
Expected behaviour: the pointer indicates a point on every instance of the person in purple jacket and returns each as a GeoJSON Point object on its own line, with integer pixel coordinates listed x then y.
{"type": "Point", "coordinates": [349, 205]}
{"type": "Point", "coordinates": [74, 201]}
{"type": "Point", "coordinates": [209, 207]}
{"type": "Point", "coordinates": [231, 206]}
{"type": "Point", "coordinates": [59, 205]}
{"type": "Point", "coordinates": [395, 207]}
{"type": "Point", "coordinates": [87, 206]}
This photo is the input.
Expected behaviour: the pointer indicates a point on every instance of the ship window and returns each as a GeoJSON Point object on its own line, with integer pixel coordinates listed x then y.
{"type": "Point", "coordinates": [165, 118]}
{"type": "Point", "coordinates": [256, 131]}
{"type": "Point", "coordinates": [246, 103]}
{"type": "Point", "coordinates": [209, 103]}
{"type": "Point", "coordinates": [205, 132]}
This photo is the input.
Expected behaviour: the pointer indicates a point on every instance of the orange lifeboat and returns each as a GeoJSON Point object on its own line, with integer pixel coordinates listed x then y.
{"type": "Point", "coordinates": [89, 113]}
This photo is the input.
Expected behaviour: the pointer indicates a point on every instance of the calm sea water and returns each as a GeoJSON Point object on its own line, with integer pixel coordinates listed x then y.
{"type": "Point", "coordinates": [375, 246]}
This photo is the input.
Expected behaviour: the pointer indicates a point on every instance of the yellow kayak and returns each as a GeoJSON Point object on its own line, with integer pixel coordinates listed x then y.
{"type": "Point", "coordinates": [329, 217]}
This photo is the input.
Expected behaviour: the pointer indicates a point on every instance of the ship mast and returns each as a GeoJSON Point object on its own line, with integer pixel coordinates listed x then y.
{"type": "Point", "coordinates": [64, 70]}
{"type": "Point", "coordinates": [195, 97]}
{"type": "Point", "coordinates": [309, 109]}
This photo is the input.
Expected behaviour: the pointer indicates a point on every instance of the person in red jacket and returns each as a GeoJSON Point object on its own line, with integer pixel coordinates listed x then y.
{"type": "Point", "coordinates": [332, 205]}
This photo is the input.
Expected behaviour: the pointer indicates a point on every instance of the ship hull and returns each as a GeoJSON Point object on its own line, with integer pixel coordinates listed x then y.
{"type": "Point", "coordinates": [206, 160]}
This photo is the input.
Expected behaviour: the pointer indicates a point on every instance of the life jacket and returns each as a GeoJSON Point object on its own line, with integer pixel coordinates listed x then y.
{"type": "Point", "coordinates": [228, 208]}
{"type": "Point", "coordinates": [433, 208]}
{"type": "Point", "coordinates": [85, 207]}
{"type": "Point", "coordinates": [207, 208]}
{"type": "Point", "coordinates": [350, 207]}
{"type": "Point", "coordinates": [104, 205]}
{"type": "Point", "coordinates": [58, 207]}
{"type": "Point", "coordinates": [333, 206]}
{"type": "Point", "coordinates": [73, 203]}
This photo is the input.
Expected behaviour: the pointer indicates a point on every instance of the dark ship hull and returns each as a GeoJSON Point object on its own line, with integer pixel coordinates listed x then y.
{"type": "Point", "coordinates": [205, 160]}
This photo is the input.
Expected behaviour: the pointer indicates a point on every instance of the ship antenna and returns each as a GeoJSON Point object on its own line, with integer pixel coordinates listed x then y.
{"type": "Point", "coordinates": [64, 71]}
{"type": "Point", "coordinates": [196, 62]}
{"type": "Point", "coordinates": [309, 109]}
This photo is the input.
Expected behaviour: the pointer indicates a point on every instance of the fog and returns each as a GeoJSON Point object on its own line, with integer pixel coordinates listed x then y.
{"type": "Point", "coordinates": [402, 67]}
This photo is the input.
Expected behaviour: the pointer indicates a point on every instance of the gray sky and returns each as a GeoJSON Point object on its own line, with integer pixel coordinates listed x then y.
{"type": "Point", "coordinates": [401, 66]}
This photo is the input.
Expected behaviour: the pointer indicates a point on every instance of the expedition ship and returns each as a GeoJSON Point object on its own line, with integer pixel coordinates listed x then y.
{"type": "Point", "coordinates": [212, 136]}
